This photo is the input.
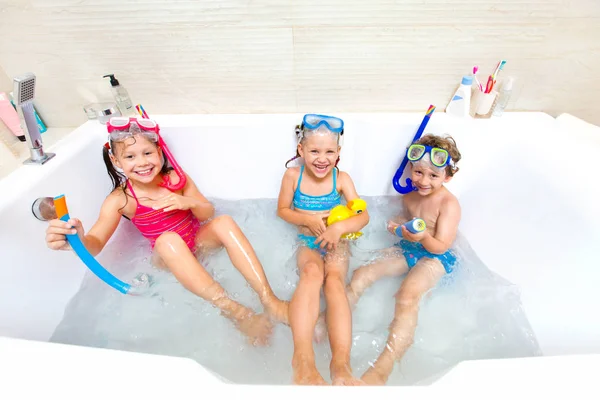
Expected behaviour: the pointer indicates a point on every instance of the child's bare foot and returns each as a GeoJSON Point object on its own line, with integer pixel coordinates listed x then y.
{"type": "Point", "coordinates": [372, 377]}
{"type": "Point", "coordinates": [320, 329]}
{"type": "Point", "coordinates": [258, 328]}
{"type": "Point", "coordinates": [278, 310]}
{"type": "Point", "coordinates": [341, 375]}
{"type": "Point", "coordinates": [306, 373]}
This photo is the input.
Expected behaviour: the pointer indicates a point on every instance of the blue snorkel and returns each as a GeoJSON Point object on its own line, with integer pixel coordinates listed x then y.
{"type": "Point", "coordinates": [396, 180]}
{"type": "Point", "coordinates": [62, 212]}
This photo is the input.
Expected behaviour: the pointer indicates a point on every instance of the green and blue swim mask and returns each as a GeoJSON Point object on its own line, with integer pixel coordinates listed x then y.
{"type": "Point", "coordinates": [439, 157]}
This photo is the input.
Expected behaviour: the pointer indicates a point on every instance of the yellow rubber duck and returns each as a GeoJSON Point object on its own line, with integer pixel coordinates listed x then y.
{"type": "Point", "coordinates": [342, 212]}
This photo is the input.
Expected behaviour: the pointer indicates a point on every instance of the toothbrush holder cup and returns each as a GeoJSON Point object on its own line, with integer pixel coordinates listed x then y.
{"type": "Point", "coordinates": [484, 103]}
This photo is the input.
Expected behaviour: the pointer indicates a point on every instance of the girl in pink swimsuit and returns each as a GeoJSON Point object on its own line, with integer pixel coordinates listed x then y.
{"type": "Point", "coordinates": [167, 208]}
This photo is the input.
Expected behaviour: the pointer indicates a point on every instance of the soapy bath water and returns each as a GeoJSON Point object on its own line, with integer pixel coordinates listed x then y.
{"type": "Point", "coordinates": [472, 314]}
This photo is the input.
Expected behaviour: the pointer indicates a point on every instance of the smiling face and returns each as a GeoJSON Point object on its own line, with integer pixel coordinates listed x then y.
{"type": "Point", "coordinates": [427, 178]}
{"type": "Point", "coordinates": [320, 153]}
{"type": "Point", "coordinates": [140, 159]}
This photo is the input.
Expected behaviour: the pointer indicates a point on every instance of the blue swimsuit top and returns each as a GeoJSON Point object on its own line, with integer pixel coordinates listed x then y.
{"type": "Point", "coordinates": [316, 203]}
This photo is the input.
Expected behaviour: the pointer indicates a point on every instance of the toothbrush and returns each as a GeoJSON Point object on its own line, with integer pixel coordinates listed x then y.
{"type": "Point", "coordinates": [141, 111]}
{"type": "Point", "coordinates": [475, 69]}
{"type": "Point", "coordinates": [499, 68]}
{"type": "Point", "coordinates": [492, 79]}
{"type": "Point", "coordinates": [144, 113]}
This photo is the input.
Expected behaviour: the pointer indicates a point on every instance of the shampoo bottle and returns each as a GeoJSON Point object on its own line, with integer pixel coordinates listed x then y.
{"type": "Point", "coordinates": [460, 104]}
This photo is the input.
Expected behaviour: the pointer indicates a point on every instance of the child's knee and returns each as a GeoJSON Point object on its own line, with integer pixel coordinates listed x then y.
{"type": "Point", "coordinates": [312, 272]}
{"type": "Point", "coordinates": [224, 225]}
{"type": "Point", "coordinates": [362, 274]}
{"type": "Point", "coordinates": [224, 221]}
{"type": "Point", "coordinates": [166, 240]}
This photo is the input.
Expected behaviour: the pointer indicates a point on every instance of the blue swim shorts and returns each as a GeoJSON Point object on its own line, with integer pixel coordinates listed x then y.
{"type": "Point", "coordinates": [309, 241]}
{"type": "Point", "coordinates": [414, 251]}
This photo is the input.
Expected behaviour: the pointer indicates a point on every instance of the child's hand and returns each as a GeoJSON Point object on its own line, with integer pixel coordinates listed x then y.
{"type": "Point", "coordinates": [330, 238]}
{"type": "Point", "coordinates": [316, 223]}
{"type": "Point", "coordinates": [173, 201]}
{"type": "Point", "coordinates": [56, 231]}
{"type": "Point", "coordinates": [391, 227]}
{"type": "Point", "coordinates": [413, 237]}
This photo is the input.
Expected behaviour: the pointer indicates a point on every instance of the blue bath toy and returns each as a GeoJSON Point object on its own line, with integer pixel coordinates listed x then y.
{"type": "Point", "coordinates": [415, 225]}
{"type": "Point", "coordinates": [396, 180]}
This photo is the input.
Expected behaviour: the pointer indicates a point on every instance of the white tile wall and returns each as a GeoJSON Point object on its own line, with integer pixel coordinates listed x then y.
{"type": "Point", "coordinates": [271, 56]}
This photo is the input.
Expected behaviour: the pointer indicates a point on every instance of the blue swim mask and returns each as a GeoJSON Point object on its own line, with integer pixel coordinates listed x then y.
{"type": "Point", "coordinates": [313, 121]}
{"type": "Point", "coordinates": [320, 124]}
{"type": "Point", "coordinates": [439, 157]}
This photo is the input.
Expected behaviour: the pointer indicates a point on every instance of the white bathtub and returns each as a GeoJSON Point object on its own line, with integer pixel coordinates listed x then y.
{"type": "Point", "coordinates": [542, 241]}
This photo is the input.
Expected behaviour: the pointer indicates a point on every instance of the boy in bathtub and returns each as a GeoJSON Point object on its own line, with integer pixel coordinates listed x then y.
{"type": "Point", "coordinates": [425, 256]}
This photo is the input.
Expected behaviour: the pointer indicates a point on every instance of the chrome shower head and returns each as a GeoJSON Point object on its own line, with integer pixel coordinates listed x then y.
{"type": "Point", "coordinates": [24, 88]}
{"type": "Point", "coordinates": [23, 94]}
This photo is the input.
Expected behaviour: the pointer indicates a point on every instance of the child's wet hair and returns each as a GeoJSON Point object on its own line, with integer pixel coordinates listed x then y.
{"type": "Point", "coordinates": [117, 178]}
{"type": "Point", "coordinates": [447, 143]}
{"type": "Point", "coordinates": [298, 131]}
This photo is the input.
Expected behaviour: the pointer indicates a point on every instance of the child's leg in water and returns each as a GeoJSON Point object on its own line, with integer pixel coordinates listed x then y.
{"type": "Point", "coordinates": [339, 316]}
{"type": "Point", "coordinates": [175, 254]}
{"type": "Point", "coordinates": [304, 311]}
{"type": "Point", "coordinates": [224, 231]}
{"type": "Point", "coordinates": [423, 277]}
{"type": "Point", "coordinates": [390, 263]}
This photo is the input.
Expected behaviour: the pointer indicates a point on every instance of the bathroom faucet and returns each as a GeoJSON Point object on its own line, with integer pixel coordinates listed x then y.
{"type": "Point", "coordinates": [24, 92]}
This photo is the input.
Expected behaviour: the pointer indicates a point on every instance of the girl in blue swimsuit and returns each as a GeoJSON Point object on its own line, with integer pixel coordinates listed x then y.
{"type": "Point", "coordinates": [306, 196]}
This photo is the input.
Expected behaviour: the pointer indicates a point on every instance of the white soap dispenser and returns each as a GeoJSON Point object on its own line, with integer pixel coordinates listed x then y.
{"type": "Point", "coordinates": [121, 96]}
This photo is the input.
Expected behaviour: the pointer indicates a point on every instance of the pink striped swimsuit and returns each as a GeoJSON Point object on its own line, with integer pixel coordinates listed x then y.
{"type": "Point", "coordinates": [153, 223]}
